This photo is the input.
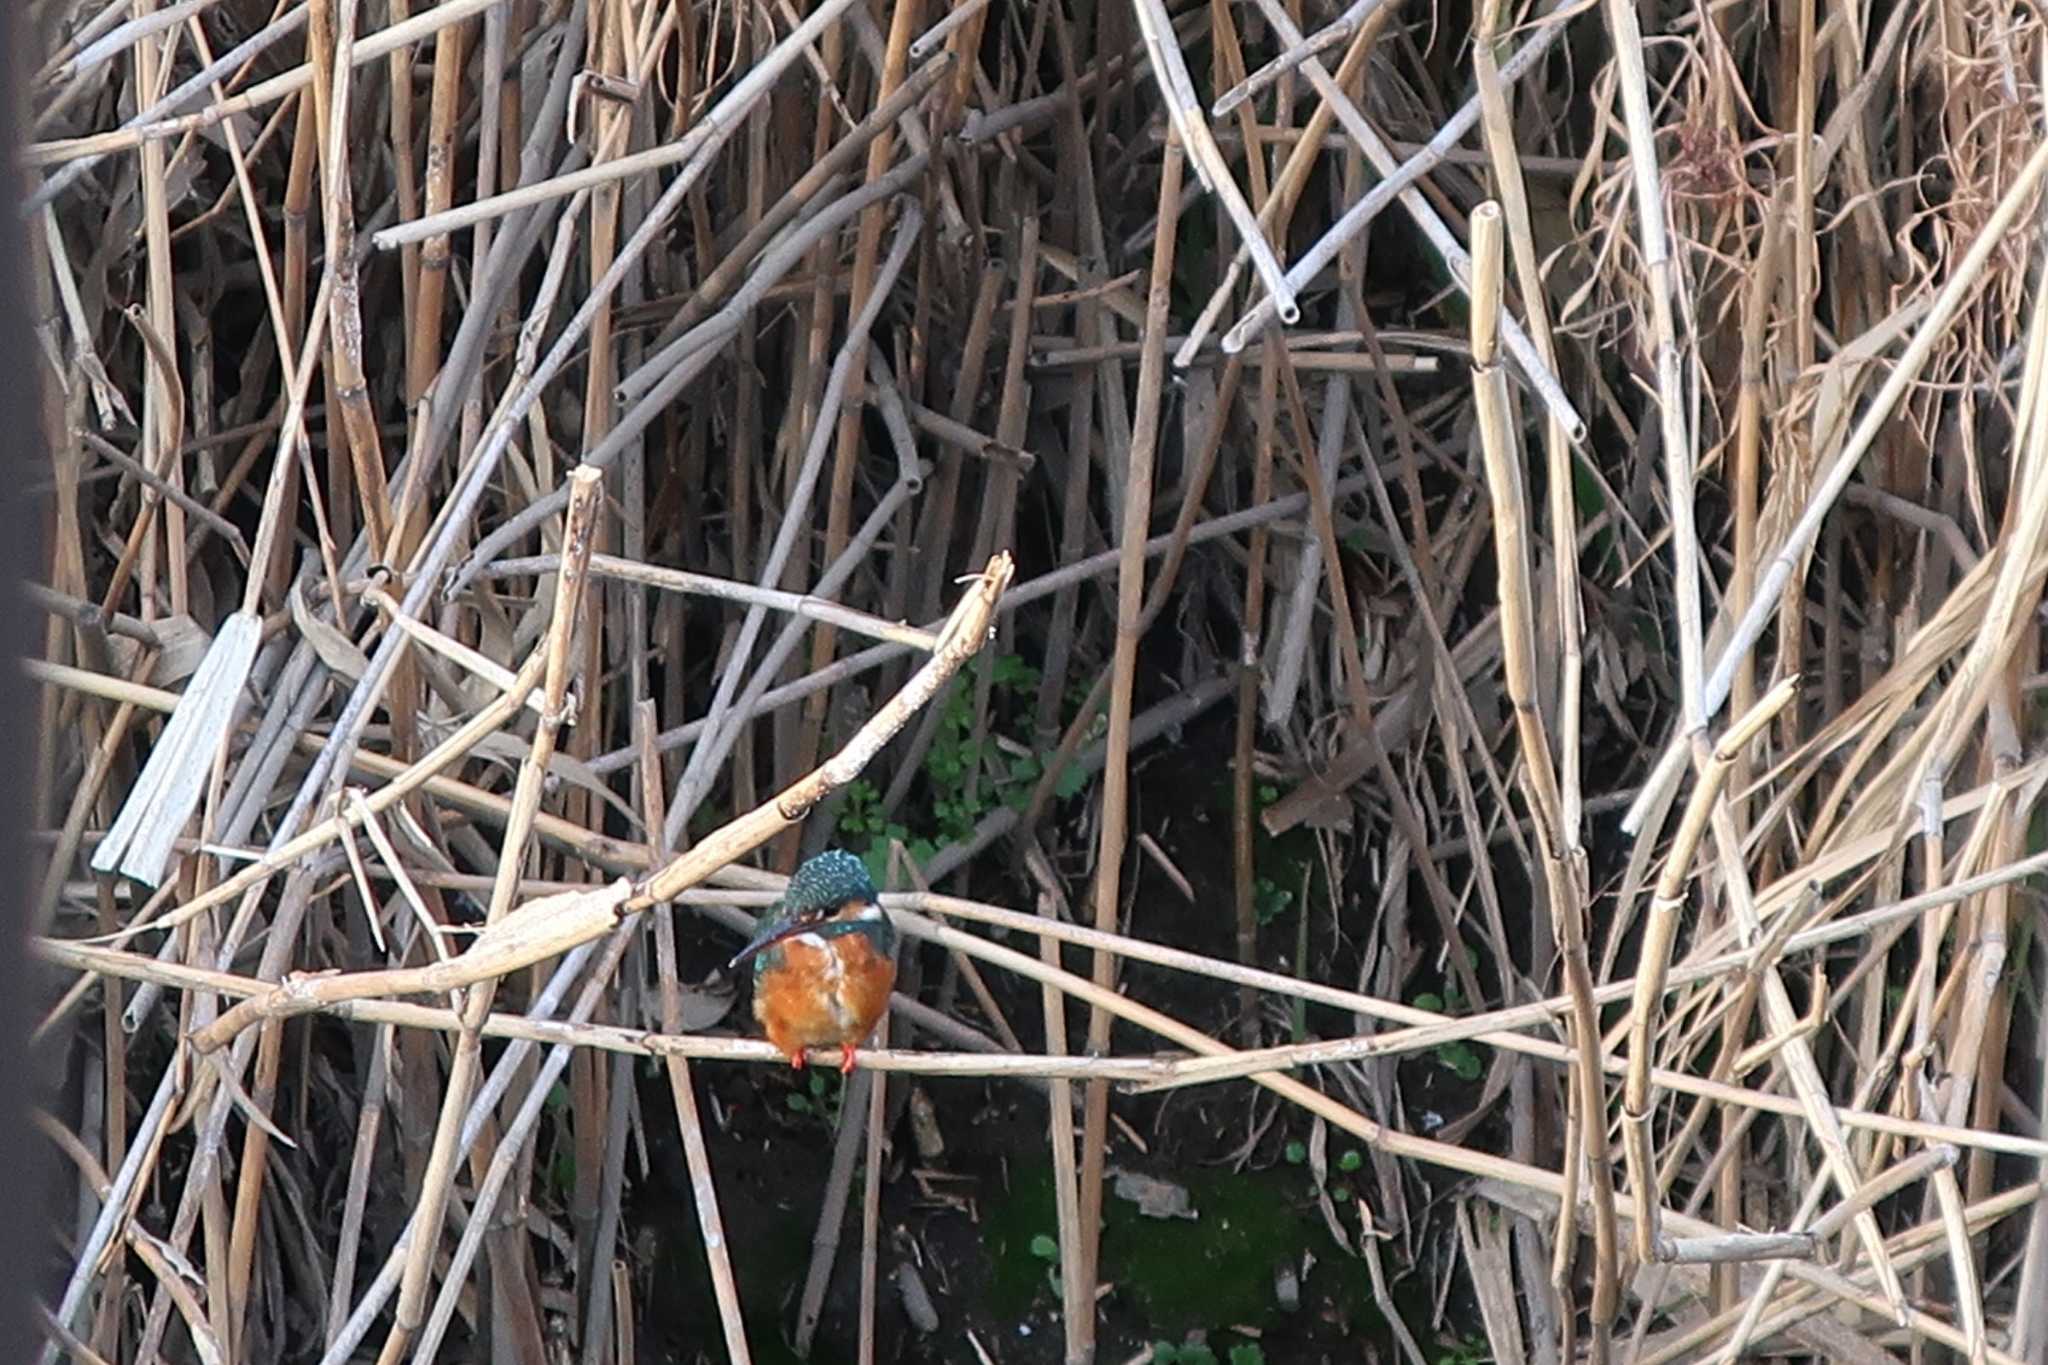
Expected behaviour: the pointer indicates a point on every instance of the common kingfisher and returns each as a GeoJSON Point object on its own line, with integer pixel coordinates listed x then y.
{"type": "Point", "coordinates": [824, 960]}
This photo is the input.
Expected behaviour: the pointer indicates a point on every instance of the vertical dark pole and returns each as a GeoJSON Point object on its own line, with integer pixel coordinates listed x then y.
{"type": "Point", "coordinates": [21, 1156]}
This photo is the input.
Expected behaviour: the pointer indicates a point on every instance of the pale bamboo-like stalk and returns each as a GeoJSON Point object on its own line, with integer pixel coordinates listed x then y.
{"type": "Point", "coordinates": [1654, 962]}
{"type": "Point", "coordinates": [345, 318]}
{"type": "Point", "coordinates": [717, 1255]}
{"type": "Point", "coordinates": [423, 340]}
{"type": "Point", "coordinates": [1323, 39]}
{"type": "Point", "coordinates": [405, 173]}
{"type": "Point", "coordinates": [806, 605]}
{"type": "Point", "coordinates": [1077, 1314]}
{"type": "Point", "coordinates": [867, 263]}
{"type": "Point", "coordinates": [1564, 873]}
{"type": "Point", "coordinates": [1746, 474]}
{"type": "Point", "coordinates": [1626, 39]}
{"type": "Point", "coordinates": [1503, 156]}
{"type": "Point", "coordinates": [578, 537]}
{"type": "Point", "coordinates": [2006, 620]}
{"type": "Point", "coordinates": [1130, 598]}
{"type": "Point", "coordinates": [1176, 88]}
{"type": "Point", "coordinates": [163, 394]}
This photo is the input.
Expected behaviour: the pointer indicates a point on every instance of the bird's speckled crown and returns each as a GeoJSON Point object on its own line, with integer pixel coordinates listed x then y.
{"type": "Point", "coordinates": [827, 882]}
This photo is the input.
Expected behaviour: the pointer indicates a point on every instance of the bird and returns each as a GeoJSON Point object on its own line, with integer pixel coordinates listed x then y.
{"type": "Point", "coordinates": [824, 960]}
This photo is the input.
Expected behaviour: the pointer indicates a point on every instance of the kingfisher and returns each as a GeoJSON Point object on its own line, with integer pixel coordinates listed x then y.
{"type": "Point", "coordinates": [824, 960]}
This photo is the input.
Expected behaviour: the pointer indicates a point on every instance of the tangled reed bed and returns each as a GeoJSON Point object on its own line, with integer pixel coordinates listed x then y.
{"type": "Point", "coordinates": [1594, 451]}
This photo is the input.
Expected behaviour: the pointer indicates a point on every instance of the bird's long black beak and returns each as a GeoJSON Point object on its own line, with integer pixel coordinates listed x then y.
{"type": "Point", "coordinates": [771, 933]}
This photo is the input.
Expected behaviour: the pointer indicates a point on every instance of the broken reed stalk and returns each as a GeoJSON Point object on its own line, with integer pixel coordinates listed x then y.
{"type": "Point", "coordinates": [1504, 158]}
{"type": "Point", "coordinates": [1655, 961]}
{"type": "Point", "coordinates": [1564, 875]}
{"type": "Point", "coordinates": [1328, 36]}
{"type": "Point", "coordinates": [810, 606]}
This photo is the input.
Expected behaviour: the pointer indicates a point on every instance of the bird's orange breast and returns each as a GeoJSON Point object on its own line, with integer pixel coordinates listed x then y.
{"type": "Point", "coordinates": [823, 992]}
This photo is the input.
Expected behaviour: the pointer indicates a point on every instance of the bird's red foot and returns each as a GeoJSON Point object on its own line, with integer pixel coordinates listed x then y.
{"type": "Point", "coordinates": [798, 1060]}
{"type": "Point", "coordinates": [846, 1062]}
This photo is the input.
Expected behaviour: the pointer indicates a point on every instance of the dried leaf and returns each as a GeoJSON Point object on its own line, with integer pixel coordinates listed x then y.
{"type": "Point", "coordinates": [333, 646]}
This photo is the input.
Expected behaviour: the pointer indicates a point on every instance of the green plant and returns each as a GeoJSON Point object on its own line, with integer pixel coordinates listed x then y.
{"type": "Point", "coordinates": [965, 775]}
{"type": "Point", "coordinates": [862, 816]}
{"type": "Point", "coordinates": [1284, 866]}
{"type": "Point", "coordinates": [1460, 1058]}
{"type": "Point", "coordinates": [1199, 1353]}
{"type": "Point", "coordinates": [1270, 900]}
{"type": "Point", "coordinates": [1295, 1153]}
{"type": "Point", "coordinates": [820, 1098]}
{"type": "Point", "coordinates": [1470, 1351]}
{"type": "Point", "coordinates": [1044, 1248]}
{"type": "Point", "coordinates": [562, 1173]}
{"type": "Point", "coordinates": [561, 1167]}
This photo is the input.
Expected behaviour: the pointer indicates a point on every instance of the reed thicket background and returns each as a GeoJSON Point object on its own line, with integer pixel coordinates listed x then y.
{"type": "Point", "coordinates": [1560, 488]}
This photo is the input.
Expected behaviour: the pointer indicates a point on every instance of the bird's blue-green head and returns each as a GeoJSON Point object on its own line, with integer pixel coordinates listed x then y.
{"type": "Point", "coordinates": [830, 894]}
